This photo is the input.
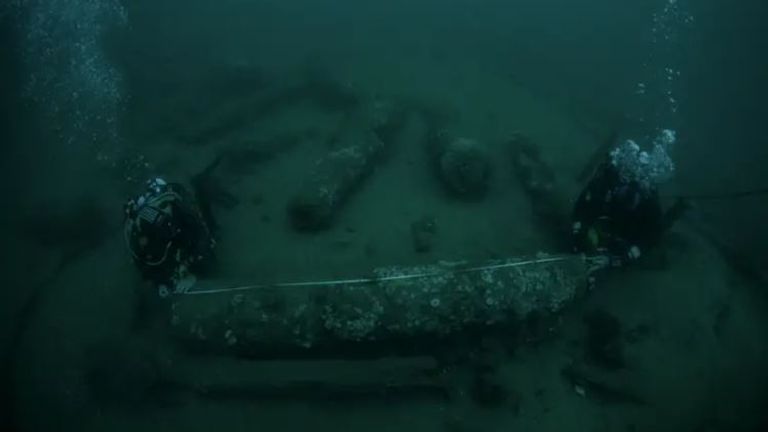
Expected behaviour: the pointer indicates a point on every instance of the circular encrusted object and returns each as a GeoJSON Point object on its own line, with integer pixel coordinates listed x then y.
{"type": "Point", "coordinates": [465, 168]}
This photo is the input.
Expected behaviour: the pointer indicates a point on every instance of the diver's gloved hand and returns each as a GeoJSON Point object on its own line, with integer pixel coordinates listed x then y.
{"type": "Point", "coordinates": [181, 282]}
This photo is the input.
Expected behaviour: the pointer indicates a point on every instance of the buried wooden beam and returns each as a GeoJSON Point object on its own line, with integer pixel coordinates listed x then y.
{"type": "Point", "coordinates": [230, 378]}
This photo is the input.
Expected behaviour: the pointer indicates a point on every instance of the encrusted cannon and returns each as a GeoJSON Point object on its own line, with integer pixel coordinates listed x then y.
{"type": "Point", "coordinates": [391, 304]}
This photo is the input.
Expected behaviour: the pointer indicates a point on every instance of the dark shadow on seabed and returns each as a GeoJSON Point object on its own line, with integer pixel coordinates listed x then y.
{"type": "Point", "coordinates": [12, 172]}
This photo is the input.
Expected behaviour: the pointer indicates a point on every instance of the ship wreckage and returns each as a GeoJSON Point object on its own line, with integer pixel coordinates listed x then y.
{"type": "Point", "coordinates": [393, 330]}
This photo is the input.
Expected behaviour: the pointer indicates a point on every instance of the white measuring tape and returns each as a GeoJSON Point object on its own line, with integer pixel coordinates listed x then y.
{"type": "Point", "coordinates": [597, 262]}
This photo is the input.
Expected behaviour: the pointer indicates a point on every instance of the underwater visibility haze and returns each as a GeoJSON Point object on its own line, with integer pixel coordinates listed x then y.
{"type": "Point", "coordinates": [459, 215]}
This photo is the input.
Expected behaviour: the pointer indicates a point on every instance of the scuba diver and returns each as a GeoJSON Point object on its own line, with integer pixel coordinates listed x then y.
{"type": "Point", "coordinates": [615, 217]}
{"type": "Point", "coordinates": [168, 236]}
{"type": "Point", "coordinates": [618, 214]}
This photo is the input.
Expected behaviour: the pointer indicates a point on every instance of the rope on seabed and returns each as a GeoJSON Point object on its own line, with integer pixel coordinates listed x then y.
{"type": "Point", "coordinates": [724, 195]}
{"type": "Point", "coordinates": [596, 263]}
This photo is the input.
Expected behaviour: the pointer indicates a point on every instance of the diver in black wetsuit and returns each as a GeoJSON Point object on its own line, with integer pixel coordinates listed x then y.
{"type": "Point", "coordinates": [618, 214]}
{"type": "Point", "coordinates": [616, 217]}
{"type": "Point", "coordinates": [168, 236]}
